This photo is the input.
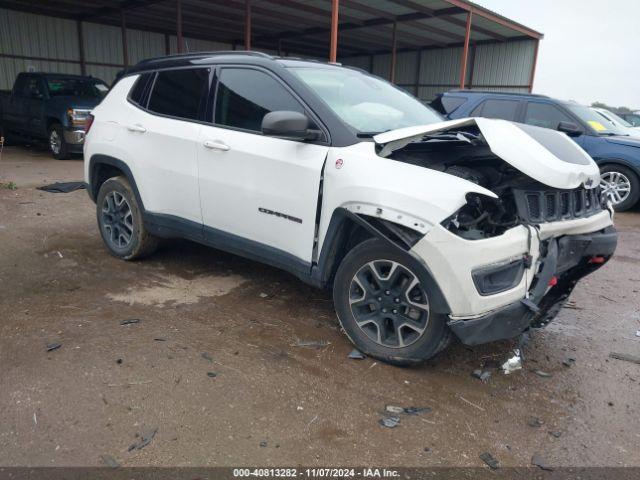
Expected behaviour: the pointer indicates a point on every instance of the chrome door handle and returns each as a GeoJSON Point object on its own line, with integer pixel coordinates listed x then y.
{"type": "Point", "coordinates": [216, 145]}
{"type": "Point", "coordinates": [136, 128]}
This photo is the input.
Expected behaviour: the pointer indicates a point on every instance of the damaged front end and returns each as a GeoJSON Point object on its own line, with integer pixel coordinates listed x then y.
{"type": "Point", "coordinates": [508, 262]}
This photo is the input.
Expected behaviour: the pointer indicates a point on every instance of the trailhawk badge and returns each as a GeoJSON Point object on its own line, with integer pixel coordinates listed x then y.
{"type": "Point", "coordinates": [339, 163]}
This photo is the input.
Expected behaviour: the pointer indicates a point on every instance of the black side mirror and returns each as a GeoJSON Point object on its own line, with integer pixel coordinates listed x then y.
{"type": "Point", "coordinates": [570, 129]}
{"type": "Point", "coordinates": [287, 124]}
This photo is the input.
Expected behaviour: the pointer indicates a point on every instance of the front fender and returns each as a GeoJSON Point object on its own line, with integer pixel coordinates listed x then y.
{"type": "Point", "coordinates": [409, 195]}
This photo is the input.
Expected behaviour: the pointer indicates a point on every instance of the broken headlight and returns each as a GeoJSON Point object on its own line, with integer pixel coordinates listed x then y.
{"type": "Point", "coordinates": [483, 217]}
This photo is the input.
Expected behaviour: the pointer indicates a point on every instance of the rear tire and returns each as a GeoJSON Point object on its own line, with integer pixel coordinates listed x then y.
{"type": "Point", "coordinates": [57, 144]}
{"type": "Point", "coordinates": [383, 307]}
{"type": "Point", "coordinates": [621, 186]}
{"type": "Point", "coordinates": [120, 221]}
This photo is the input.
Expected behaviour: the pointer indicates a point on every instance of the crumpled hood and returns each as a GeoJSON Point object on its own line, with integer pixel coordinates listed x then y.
{"type": "Point", "coordinates": [626, 141]}
{"type": "Point", "coordinates": [545, 155]}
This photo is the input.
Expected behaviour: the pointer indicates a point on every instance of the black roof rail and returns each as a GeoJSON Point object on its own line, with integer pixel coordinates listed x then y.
{"type": "Point", "coordinates": [471, 90]}
{"type": "Point", "coordinates": [186, 56]}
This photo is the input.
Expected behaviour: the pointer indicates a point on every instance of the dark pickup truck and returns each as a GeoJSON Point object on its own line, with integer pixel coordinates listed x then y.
{"type": "Point", "coordinates": [52, 107]}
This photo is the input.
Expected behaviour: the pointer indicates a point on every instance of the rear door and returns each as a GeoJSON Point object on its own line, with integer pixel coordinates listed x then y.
{"type": "Point", "coordinates": [260, 189]}
{"type": "Point", "coordinates": [502, 108]}
{"type": "Point", "coordinates": [161, 136]}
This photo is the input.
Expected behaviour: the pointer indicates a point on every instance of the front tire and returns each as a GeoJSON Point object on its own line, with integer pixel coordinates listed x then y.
{"type": "Point", "coordinates": [57, 144]}
{"type": "Point", "coordinates": [383, 307]}
{"type": "Point", "coordinates": [620, 185]}
{"type": "Point", "coordinates": [120, 221]}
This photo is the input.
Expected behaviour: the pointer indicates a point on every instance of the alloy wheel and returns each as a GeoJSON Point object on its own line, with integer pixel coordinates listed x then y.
{"type": "Point", "coordinates": [388, 303]}
{"type": "Point", "coordinates": [615, 186]}
{"type": "Point", "coordinates": [117, 219]}
{"type": "Point", "coordinates": [55, 142]}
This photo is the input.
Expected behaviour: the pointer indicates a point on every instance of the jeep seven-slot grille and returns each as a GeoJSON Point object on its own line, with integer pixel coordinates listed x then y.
{"type": "Point", "coordinates": [539, 206]}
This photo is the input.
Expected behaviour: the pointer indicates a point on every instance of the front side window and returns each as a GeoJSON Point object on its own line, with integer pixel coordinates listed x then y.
{"type": "Point", "coordinates": [545, 115]}
{"type": "Point", "coordinates": [497, 108]}
{"type": "Point", "coordinates": [366, 103]}
{"type": "Point", "coordinates": [180, 93]}
{"type": "Point", "coordinates": [245, 96]}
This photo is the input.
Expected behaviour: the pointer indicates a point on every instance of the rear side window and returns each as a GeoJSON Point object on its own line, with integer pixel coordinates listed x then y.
{"type": "Point", "coordinates": [545, 115]}
{"type": "Point", "coordinates": [140, 90]}
{"type": "Point", "coordinates": [180, 93]}
{"type": "Point", "coordinates": [245, 96]}
{"type": "Point", "coordinates": [450, 103]}
{"type": "Point", "coordinates": [497, 108]}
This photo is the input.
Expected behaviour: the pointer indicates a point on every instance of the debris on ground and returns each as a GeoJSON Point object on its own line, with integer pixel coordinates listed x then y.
{"type": "Point", "coordinates": [63, 187]}
{"type": "Point", "coordinates": [160, 339]}
{"type": "Point", "coordinates": [625, 357]}
{"type": "Point", "coordinates": [389, 422]}
{"type": "Point", "coordinates": [487, 458]}
{"type": "Point", "coordinates": [542, 374]}
{"type": "Point", "coordinates": [212, 374]}
{"type": "Point", "coordinates": [569, 361]}
{"type": "Point", "coordinates": [482, 375]}
{"type": "Point", "coordinates": [393, 409]}
{"type": "Point", "coordinates": [312, 343]}
{"type": "Point", "coordinates": [638, 333]}
{"type": "Point", "coordinates": [119, 361]}
{"type": "Point", "coordinates": [416, 410]}
{"type": "Point", "coordinates": [145, 439]}
{"type": "Point", "coordinates": [264, 295]}
{"type": "Point", "coordinates": [535, 422]}
{"type": "Point", "coordinates": [356, 355]}
{"type": "Point", "coordinates": [53, 346]}
{"type": "Point", "coordinates": [263, 444]}
{"type": "Point", "coordinates": [130, 321]}
{"type": "Point", "coordinates": [206, 356]}
{"type": "Point", "coordinates": [555, 434]}
{"type": "Point", "coordinates": [572, 305]}
{"type": "Point", "coordinates": [109, 461]}
{"type": "Point", "coordinates": [540, 462]}
{"type": "Point", "coordinates": [427, 449]}
{"type": "Point", "coordinates": [514, 363]}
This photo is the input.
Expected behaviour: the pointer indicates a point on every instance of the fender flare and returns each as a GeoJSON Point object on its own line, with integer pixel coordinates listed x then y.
{"type": "Point", "coordinates": [328, 259]}
{"type": "Point", "coordinates": [99, 159]}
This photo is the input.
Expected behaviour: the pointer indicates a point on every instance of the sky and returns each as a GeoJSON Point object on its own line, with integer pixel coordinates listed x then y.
{"type": "Point", "coordinates": [590, 51]}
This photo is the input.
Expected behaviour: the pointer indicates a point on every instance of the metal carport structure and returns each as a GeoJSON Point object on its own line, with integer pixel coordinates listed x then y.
{"type": "Point", "coordinates": [422, 45]}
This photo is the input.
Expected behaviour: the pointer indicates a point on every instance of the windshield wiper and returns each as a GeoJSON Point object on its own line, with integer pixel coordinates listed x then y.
{"type": "Point", "coordinates": [369, 134]}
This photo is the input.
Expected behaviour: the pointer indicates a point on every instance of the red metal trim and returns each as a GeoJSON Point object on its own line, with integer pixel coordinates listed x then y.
{"type": "Point", "coordinates": [247, 24]}
{"type": "Point", "coordinates": [392, 73]}
{"type": "Point", "coordinates": [465, 50]}
{"type": "Point", "coordinates": [333, 50]}
{"type": "Point", "coordinates": [495, 18]}
{"type": "Point", "coordinates": [533, 67]}
{"type": "Point", "coordinates": [179, 25]}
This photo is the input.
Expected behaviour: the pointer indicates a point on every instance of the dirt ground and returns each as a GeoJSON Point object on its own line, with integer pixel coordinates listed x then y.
{"type": "Point", "coordinates": [272, 402]}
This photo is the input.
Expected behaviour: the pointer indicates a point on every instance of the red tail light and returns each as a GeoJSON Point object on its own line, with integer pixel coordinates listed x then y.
{"type": "Point", "coordinates": [597, 259]}
{"type": "Point", "coordinates": [553, 282]}
{"type": "Point", "coordinates": [88, 124]}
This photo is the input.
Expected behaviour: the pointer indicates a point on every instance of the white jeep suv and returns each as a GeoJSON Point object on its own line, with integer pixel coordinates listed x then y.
{"type": "Point", "coordinates": [423, 229]}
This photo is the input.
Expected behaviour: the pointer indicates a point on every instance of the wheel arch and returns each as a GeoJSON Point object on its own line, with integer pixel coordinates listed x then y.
{"type": "Point", "coordinates": [103, 167]}
{"type": "Point", "coordinates": [622, 162]}
{"type": "Point", "coordinates": [347, 230]}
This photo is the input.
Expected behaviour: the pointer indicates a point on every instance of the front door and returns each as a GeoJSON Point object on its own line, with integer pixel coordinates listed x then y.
{"type": "Point", "coordinates": [262, 190]}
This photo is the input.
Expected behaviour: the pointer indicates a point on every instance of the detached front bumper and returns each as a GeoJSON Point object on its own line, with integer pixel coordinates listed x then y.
{"type": "Point", "coordinates": [497, 287]}
{"type": "Point", "coordinates": [567, 260]}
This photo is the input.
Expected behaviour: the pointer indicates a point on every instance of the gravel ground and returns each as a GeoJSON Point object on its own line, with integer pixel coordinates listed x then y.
{"type": "Point", "coordinates": [213, 368]}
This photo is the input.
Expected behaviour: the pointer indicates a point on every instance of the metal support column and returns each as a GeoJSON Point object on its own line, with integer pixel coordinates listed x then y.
{"type": "Point", "coordinates": [465, 51]}
{"type": "Point", "coordinates": [333, 49]}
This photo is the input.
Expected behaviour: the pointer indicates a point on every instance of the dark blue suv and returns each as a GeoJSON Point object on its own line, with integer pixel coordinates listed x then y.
{"type": "Point", "coordinates": [614, 150]}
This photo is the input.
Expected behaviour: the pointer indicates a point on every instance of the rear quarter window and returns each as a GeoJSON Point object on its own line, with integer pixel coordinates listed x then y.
{"type": "Point", "coordinates": [139, 92]}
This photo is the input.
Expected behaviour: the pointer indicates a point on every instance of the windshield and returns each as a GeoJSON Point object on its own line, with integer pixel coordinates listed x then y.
{"type": "Point", "coordinates": [596, 121]}
{"type": "Point", "coordinates": [77, 87]}
{"type": "Point", "coordinates": [366, 103]}
{"type": "Point", "coordinates": [616, 118]}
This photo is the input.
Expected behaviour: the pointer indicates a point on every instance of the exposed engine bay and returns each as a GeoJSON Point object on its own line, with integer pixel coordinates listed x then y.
{"type": "Point", "coordinates": [521, 199]}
